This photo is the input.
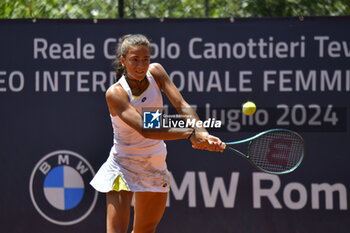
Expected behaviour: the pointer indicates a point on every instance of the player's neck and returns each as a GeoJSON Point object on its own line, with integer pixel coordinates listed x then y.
{"type": "Point", "coordinates": [137, 86]}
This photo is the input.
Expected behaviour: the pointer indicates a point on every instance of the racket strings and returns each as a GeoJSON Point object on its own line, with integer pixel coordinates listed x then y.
{"type": "Point", "coordinates": [276, 151]}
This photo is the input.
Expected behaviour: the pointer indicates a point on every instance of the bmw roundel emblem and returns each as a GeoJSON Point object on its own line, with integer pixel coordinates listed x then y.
{"type": "Point", "coordinates": [59, 187]}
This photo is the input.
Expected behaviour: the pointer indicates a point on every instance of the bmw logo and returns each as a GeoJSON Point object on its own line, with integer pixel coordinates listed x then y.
{"type": "Point", "coordinates": [59, 187]}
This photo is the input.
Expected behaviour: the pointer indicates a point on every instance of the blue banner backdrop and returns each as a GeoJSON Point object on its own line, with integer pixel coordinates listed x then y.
{"type": "Point", "coordinates": [55, 128]}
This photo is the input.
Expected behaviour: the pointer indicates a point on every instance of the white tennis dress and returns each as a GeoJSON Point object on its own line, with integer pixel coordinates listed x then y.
{"type": "Point", "coordinates": [138, 160]}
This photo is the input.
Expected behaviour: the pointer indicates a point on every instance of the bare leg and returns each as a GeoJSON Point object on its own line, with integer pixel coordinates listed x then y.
{"type": "Point", "coordinates": [118, 211]}
{"type": "Point", "coordinates": [149, 208]}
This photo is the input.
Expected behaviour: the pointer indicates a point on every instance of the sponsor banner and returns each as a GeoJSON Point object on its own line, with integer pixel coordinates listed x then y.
{"type": "Point", "coordinates": [59, 187]}
{"type": "Point", "coordinates": [56, 129]}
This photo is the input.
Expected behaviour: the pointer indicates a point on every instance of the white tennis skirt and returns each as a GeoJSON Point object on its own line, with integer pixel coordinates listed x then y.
{"type": "Point", "coordinates": [140, 173]}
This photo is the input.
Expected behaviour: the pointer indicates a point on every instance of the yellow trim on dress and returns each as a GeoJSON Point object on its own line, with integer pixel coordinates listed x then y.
{"type": "Point", "coordinates": [119, 184]}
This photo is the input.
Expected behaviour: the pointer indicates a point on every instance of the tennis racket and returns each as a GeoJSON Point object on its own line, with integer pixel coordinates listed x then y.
{"type": "Point", "coordinates": [275, 151]}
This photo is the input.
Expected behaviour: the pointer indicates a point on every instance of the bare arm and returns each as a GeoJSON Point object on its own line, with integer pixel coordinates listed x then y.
{"type": "Point", "coordinates": [201, 139]}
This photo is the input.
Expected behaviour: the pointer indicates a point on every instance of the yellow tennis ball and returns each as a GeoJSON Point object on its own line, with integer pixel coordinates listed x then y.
{"type": "Point", "coordinates": [248, 108]}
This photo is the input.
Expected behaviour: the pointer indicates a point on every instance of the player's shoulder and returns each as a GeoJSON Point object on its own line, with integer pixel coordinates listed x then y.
{"type": "Point", "coordinates": [114, 88]}
{"type": "Point", "coordinates": [116, 93]}
{"type": "Point", "coordinates": [158, 73]}
{"type": "Point", "coordinates": [156, 68]}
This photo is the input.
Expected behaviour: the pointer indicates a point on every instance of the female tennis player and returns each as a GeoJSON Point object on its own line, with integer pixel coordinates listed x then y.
{"type": "Point", "coordinates": [136, 165]}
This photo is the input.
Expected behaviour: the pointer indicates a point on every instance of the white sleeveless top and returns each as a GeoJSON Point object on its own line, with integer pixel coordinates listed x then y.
{"type": "Point", "coordinates": [126, 139]}
{"type": "Point", "coordinates": [138, 160]}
